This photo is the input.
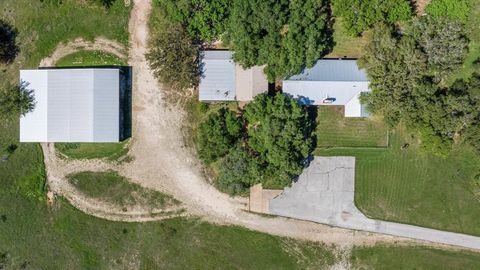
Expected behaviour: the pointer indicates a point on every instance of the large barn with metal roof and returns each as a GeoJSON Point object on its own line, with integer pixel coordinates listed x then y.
{"type": "Point", "coordinates": [73, 105]}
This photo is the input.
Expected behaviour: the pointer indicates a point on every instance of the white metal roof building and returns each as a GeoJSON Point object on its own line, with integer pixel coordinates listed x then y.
{"type": "Point", "coordinates": [330, 82]}
{"type": "Point", "coordinates": [223, 80]}
{"type": "Point", "coordinates": [72, 105]}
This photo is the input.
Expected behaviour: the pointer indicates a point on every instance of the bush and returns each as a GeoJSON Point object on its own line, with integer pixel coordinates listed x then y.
{"type": "Point", "coordinates": [218, 134]}
{"type": "Point", "coordinates": [453, 9]}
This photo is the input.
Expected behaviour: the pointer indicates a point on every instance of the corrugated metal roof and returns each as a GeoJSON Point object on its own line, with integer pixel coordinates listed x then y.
{"type": "Point", "coordinates": [73, 105]}
{"type": "Point", "coordinates": [218, 78]}
{"type": "Point", "coordinates": [332, 70]}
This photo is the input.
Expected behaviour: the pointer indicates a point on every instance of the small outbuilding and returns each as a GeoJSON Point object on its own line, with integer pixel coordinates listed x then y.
{"type": "Point", "coordinates": [75, 105]}
{"type": "Point", "coordinates": [224, 80]}
{"type": "Point", "coordinates": [331, 82]}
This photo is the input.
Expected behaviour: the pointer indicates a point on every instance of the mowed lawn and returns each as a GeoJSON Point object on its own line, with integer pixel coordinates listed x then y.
{"type": "Point", "coordinates": [90, 58]}
{"type": "Point", "coordinates": [347, 46]}
{"type": "Point", "coordinates": [411, 257]}
{"type": "Point", "coordinates": [335, 130]}
{"type": "Point", "coordinates": [411, 186]}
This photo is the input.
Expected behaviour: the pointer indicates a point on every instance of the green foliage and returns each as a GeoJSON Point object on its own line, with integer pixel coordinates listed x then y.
{"type": "Point", "coordinates": [238, 170]}
{"type": "Point", "coordinates": [8, 46]}
{"type": "Point", "coordinates": [294, 36]}
{"type": "Point", "coordinates": [174, 59]}
{"type": "Point", "coordinates": [405, 72]}
{"type": "Point", "coordinates": [16, 100]}
{"type": "Point", "coordinates": [457, 10]}
{"type": "Point", "coordinates": [204, 19]}
{"type": "Point", "coordinates": [360, 15]}
{"type": "Point", "coordinates": [220, 131]}
{"type": "Point", "coordinates": [279, 131]}
{"type": "Point", "coordinates": [444, 43]}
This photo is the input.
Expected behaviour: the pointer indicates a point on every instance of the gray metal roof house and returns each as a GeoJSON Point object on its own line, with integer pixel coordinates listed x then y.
{"type": "Point", "coordinates": [73, 105]}
{"type": "Point", "coordinates": [223, 80]}
{"type": "Point", "coordinates": [331, 82]}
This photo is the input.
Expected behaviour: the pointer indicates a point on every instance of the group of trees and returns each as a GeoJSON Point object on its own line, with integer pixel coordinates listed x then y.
{"type": "Point", "coordinates": [409, 73]}
{"type": "Point", "coordinates": [15, 99]}
{"type": "Point", "coordinates": [360, 15]}
{"type": "Point", "coordinates": [285, 36]}
{"type": "Point", "coordinates": [267, 143]}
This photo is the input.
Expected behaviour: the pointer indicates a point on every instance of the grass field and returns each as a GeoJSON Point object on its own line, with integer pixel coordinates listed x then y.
{"type": "Point", "coordinates": [108, 151]}
{"type": "Point", "coordinates": [347, 46]}
{"type": "Point", "coordinates": [411, 257]}
{"type": "Point", "coordinates": [335, 130]}
{"type": "Point", "coordinates": [115, 189]}
{"type": "Point", "coordinates": [411, 186]}
{"type": "Point", "coordinates": [90, 58]}
{"type": "Point", "coordinates": [473, 30]}
{"type": "Point", "coordinates": [42, 25]}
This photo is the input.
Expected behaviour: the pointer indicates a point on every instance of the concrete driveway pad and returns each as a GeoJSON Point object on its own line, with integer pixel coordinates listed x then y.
{"type": "Point", "coordinates": [324, 193]}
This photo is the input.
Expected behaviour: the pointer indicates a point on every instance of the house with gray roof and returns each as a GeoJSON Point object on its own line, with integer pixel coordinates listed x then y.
{"type": "Point", "coordinates": [331, 82]}
{"type": "Point", "coordinates": [224, 80]}
{"type": "Point", "coordinates": [76, 105]}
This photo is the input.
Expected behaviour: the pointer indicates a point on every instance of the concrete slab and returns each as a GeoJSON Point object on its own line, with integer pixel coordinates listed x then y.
{"type": "Point", "coordinates": [324, 193]}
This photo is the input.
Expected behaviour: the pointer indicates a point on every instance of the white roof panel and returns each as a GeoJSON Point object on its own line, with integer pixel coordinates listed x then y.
{"type": "Point", "coordinates": [218, 78]}
{"type": "Point", "coordinates": [73, 105]}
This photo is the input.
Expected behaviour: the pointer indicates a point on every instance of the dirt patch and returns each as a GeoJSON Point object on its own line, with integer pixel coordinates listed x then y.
{"type": "Point", "coordinates": [420, 6]}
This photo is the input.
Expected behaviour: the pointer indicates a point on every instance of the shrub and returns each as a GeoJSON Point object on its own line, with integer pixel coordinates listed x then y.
{"type": "Point", "coordinates": [453, 9]}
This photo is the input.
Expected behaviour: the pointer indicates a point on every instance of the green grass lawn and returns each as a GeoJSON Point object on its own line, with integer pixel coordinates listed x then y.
{"type": "Point", "coordinates": [347, 46]}
{"type": "Point", "coordinates": [108, 151]}
{"type": "Point", "coordinates": [411, 257]}
{"type": "Point", "coordinates": [90, 58]}
{"type": "Point", "coordinates": [473, 30]}
{"type": "Point", "coordinates": [42, 25]}
{"type": "Point", "coordinates": [411, 186]}
{"type": "Point", "coordinates": [112, 188]}
{"type": "Point", "coordinates": [333, 129]}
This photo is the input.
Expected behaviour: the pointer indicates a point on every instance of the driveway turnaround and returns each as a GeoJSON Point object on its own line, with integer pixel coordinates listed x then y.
{"type": "Point", "coordinates": [324, 193]}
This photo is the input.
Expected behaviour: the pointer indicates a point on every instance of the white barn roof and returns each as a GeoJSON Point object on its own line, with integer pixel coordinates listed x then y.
{"type": "Point", "coordinates": [72, 105]}
{"type": "Point", "coordinates": [218, 80]}
{"type": "Point", "coordinates": [339, 81]}
{"type": "Point", "coordinates": [223, 80]}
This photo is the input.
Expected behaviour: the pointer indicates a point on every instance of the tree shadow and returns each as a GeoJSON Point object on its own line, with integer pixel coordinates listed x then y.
{"type": "Point", "coordinates": [8, 46]}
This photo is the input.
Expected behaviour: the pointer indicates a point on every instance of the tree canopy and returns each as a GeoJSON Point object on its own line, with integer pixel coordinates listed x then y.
{"type": "Point", "coordinates": [407, 73]}
{"type": "Point", "coordinates": [360, 15]}
{"type": "Point", "coordinates": [457, 10]}
{"type": "Point", "coordinates": [284, 35]}
{"type": "Point", "coordinates": [270, 148]}
{"type": "Point", "coordinates": [204, 20]}
{"type": "Point", "coordinates": [174, 59]}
